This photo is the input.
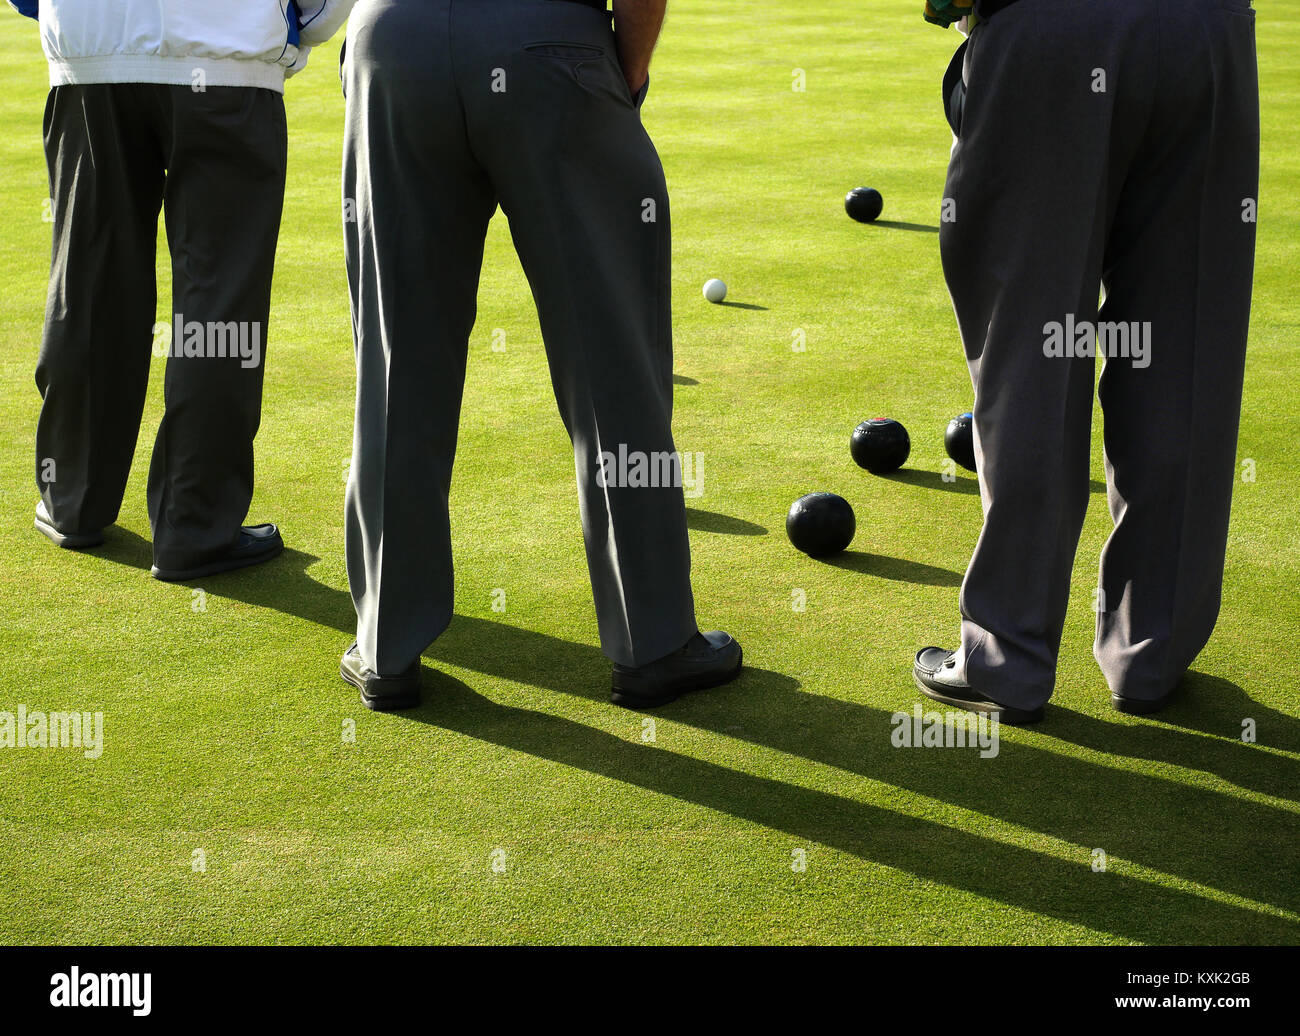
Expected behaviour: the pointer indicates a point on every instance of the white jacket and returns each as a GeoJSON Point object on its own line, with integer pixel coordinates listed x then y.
{"type": "Point", "coordinates": [184, 42]}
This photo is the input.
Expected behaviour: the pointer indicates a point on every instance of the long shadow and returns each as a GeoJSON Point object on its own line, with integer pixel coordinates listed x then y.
{"type": "Point", "coordinates": [1023, 878]}
{"type": "Point", "coordinates": [712, 521]}
{"type": "Point", "coordinates": [742, 305]}
{"type": "Point", "coordinates": [1219, 840]}
{"type": "Point", "coordinates": [1214, 706]}
{"type": "Point", "coordinates": [900, 569]}
{"type": "Point", "coordinates": [893, 224]}
{"type": "Point", "coordinates": [682, 379]}
{"type": "Point", "coordinates": [1189, 832]}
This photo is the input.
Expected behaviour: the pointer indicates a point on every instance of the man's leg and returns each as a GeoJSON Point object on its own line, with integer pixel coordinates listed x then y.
{"type": "Point", "coordinates": [225, 191]}
{"type": "Point", "coordinates": [1180, 262]}
{"type": "Point", "coordinates": [413, 252]}
{"type": "Point", "coordinates": [106, 182]}
{"type": "Point", "coordinates": [1048, 125]}
{"type": "Point", "coordinates": [585, 194]}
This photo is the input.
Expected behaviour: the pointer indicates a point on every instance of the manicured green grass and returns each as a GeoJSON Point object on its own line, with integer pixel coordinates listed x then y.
{"type": "Point", "coordinates": [225, 727]}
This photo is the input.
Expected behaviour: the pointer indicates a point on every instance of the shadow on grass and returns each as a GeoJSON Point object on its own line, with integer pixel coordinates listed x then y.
{"type": "Point", "coordinates": [901, 569]}
{"type": "Point", "coordinates": [961, 484]}
{"type": "Point", "coordinates": [1023, 878]}
{"type": "Point", "coordinates": [893, 224]}
{"type": "Point", "coordinates": [1214, 705]}
{"type": "Point", "coordinates": [125, 548]}
{"type": "Point", "coordinates": [1206, 705]}
{"type": "Point", "coordinates": [933, 480]}
{"type": "Point", "coordinates": [1185, 831]}
{"type": "Point", "coordinates": [712, 521]}
{"type": "Point", "coordinates": [682, 379]}
{"type": "Point", "coordinates": [281, 584]}
{"type": "Point", "coordinates": [1215, 839]}
{"type": "Point", "coordinates": [741, 305]}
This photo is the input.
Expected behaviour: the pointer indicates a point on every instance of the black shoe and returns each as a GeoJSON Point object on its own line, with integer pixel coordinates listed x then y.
{"type": "Point", "coordinates": [935, 673]}
{"type": "Point", "coordinates": [1140, 706]}
{"type": "Point", "coordinates": [71, 540]}
{"type": "Point", "coordinates": [256, 543]}
{"type": "Point", "coordinates": [381, 693]}
{"type": "Point", "coordinates": [706, 660]}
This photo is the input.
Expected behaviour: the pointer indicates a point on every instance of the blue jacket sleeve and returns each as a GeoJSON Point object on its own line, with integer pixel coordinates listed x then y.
{"type": "Point", "coordinates": [31, 8]}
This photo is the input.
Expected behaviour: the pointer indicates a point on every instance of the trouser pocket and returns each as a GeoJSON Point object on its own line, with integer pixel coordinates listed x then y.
{"type": "Point", "coordinates": [592, 67]}
{"type": "Point", "coordinates": [954, 89]}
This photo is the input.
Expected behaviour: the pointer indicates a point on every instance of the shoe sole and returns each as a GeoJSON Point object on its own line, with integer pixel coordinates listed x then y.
{"type": "Point", "coordinates": [67, 540]}
{"type": "Point", "coordinates": [1138, 706]}
{"type": "Point", "coordinates": [215, 568]}
{"type": "Point", "coordinates": [1004, 713]}
{"type": "Point", "coordinates": [704, 682]}
{"type": "Point", "coordinates": [384, 702]}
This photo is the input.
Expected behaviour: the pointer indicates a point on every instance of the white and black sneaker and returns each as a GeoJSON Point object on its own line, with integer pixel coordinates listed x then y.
{"type": "Point", "coordinates": [935, 671]}
{"type": "Point", "coordinates": [381, 693]}
{"type": "Point", "coordinates": [68, 540]}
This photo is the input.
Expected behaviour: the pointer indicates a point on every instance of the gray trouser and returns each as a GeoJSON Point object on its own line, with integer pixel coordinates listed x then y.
{"type": "Point", "coordinates": [1112, 143]}
{"type": "Point", "coordinates": [452, 107]}
{"type": "Point", "coordinates": [215, 162]}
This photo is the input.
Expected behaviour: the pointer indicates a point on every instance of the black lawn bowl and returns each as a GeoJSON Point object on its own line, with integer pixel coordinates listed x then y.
{"type": "Point", "coordinates": [880, 445]}
{"type": "Point", "coordinates": [821, 524]}
{"type": "Point", "coordinates": [959, 440]}
{"type": "Point", "coordinates": [864, 204]}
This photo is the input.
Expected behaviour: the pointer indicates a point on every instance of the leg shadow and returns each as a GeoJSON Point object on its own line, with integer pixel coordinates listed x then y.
{"type": "Point", "coordinates": [1113, 903]}
{"type": "Point", "coordinates": [1217, 706]}
{"type": "Point", "coordinates": [1241, 847]}
{"type": "Point", "coordinates": [1211, 713]}
{"type": "Point", "coordinates": [1189, 832]}
{"type": "Point", "coordinates": [124, 547]}
{"type": "Point", "coordinates": [283, 584]}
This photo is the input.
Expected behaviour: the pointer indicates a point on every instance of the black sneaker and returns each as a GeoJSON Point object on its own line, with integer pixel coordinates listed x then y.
{"type": "Point", "coordinates": [935, 672]}
{"type": "Point", "coordinates": [69, 540]}
{"type": "Point", "coordinates": [381, 693]}
{"type": "Point", "coordinates": [706, 660]}
{"type": "Point", "coordinates": [256, 543]}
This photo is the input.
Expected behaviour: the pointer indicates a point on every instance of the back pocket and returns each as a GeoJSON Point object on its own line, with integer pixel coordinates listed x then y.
{"type": "Point", "coordinates": [592, 67]}
{"type": "Point", "coordinates": [566, 51]}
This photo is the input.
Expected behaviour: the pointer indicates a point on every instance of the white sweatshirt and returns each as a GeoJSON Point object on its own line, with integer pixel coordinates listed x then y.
{"type": "Point", "coordinates": [184, 42]}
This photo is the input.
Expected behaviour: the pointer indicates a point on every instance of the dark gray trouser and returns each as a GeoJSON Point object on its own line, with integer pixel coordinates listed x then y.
{"type": "Point", "coordinates": [1142, 188]}
{"type": "Point", "coordinates": [452, 107]}
{"type": "Point", "coordinates": [215, 162]}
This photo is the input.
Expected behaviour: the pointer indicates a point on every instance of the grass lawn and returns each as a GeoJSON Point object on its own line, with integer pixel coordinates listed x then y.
{"type": "Point", "coordinates": [245, 795]}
